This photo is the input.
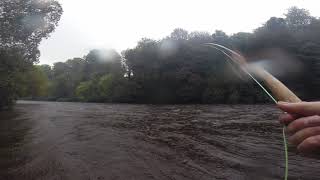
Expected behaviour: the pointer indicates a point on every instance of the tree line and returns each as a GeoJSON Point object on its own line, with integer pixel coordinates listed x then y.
{"type": "Point", "coordinates": [180, 69]}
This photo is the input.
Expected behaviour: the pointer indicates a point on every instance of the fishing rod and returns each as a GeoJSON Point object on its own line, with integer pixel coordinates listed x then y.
{"type": "Point", "coordinates": [279, 92]}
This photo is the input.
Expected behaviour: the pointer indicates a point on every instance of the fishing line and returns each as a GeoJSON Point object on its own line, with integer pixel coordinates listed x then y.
{"type": "Point", "coordinates": [232, 60]}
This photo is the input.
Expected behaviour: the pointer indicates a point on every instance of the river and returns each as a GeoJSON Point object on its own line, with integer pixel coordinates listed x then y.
{"type": "Point", "coordinates": [75, 141]}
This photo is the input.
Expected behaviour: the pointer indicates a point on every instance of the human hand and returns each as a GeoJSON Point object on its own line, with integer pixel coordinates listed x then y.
{"type": "Point", "coordinates": [303, 120]}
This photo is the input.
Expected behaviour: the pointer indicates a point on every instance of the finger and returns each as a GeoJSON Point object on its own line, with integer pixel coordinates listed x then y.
{"type": "Point", "coordinates": [301, 108]}
{"type": "Point", "coordinates": [287, 118]}
{"type": "Point", "coordinates": [311, 144]}
{"type": "Point", "coordinates": [301, 123]}
{"type": "Point", "coordinates": [303, 134]}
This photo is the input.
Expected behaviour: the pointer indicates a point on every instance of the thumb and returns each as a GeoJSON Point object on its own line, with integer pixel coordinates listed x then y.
{"type": "Point", "coordinates": [301, 108]}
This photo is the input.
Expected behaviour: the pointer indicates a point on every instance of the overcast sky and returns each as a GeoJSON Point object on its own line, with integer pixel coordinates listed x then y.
{"type": "Point", "coordinates": [119, 24]}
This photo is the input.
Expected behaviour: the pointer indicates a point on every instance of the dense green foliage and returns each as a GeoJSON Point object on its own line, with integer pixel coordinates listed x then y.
{"type": "Point", "coordinates": [180, 69]}
{"type": "Point", "coordinates": [23, 24]}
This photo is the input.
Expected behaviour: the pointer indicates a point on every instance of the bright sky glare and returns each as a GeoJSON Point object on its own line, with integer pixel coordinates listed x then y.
{"type": "Point", "coordinates": [119, 24]}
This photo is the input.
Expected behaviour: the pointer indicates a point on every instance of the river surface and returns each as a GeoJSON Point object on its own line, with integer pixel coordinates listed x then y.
{"type": "Point", "coordinates": [82, 141]}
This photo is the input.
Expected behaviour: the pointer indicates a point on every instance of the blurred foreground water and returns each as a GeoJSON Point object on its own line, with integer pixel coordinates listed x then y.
{"type": "Point", "coordinates": [75, 141]}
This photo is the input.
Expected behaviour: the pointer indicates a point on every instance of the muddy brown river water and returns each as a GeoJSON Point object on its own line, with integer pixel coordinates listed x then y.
{"type": "Point", "coordinates": [82, 141]}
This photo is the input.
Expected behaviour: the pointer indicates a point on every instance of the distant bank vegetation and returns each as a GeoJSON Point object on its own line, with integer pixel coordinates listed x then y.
{"type": "Point", "coordinates": [179, 69]}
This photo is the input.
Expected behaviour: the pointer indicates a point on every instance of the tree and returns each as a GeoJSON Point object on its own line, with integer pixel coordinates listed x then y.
{"type": "Point", "coordinates": [221, 37]}
{"type": "Point", "coordinates": [179, 34]}
{"type": "Point", "coordinates": [67, 77]}
{"type": "Point", "coordinates": [88, 91]}
{"type": "Point", "coordinates": [47, 70]}
{"type": "Point", "coordinates": [298, 18]}
{"type": "Point", "coordinates": [106, 87]}
{"type": "Point", "coordinates": [23, 24]}
{"type": "Point", "coordinates": [34, 83]}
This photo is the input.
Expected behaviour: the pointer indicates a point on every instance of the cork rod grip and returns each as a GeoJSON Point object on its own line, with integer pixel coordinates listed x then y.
{"type": "Point", "coordinates": [277, 88]}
